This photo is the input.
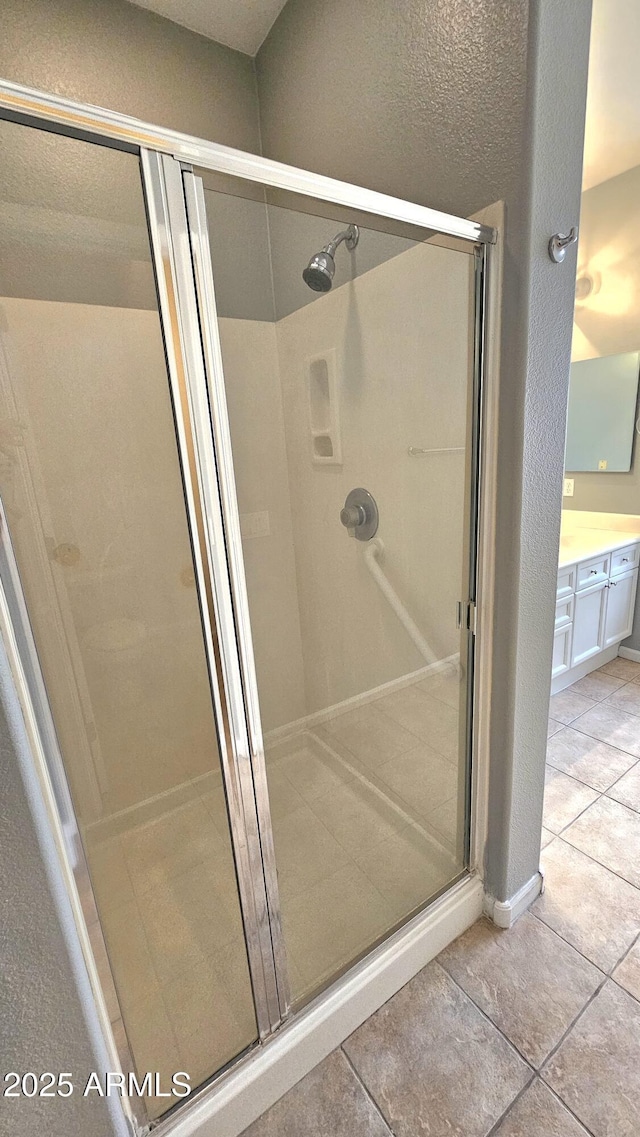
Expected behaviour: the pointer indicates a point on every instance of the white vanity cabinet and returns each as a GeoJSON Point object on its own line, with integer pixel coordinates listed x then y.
{"type": "Point", "coordinates": [589, 621]}
{"type": "Point", "coordinates": [594, 612]}
{"type": "Point", "coordinates": [620, 606]}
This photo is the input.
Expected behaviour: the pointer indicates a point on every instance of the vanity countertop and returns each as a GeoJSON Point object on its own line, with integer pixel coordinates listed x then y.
{"type": "Point", "coordinates": [581, 544]}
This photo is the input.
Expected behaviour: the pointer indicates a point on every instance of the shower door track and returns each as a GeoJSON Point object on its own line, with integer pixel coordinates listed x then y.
{"type": "Point", "coordinates": [177, 225]}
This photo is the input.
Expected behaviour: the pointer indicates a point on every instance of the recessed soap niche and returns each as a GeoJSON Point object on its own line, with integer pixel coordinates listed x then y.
{"type": "Point", "coordinates": [324, 415]}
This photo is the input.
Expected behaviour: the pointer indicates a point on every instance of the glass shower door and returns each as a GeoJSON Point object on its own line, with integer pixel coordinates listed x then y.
{"type": "Point", "coordinates": [348, 363]}
{"type": "Point", "coordinates": [94, 498]}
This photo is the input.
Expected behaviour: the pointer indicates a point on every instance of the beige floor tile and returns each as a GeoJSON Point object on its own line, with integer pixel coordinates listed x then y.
{"type": "Point", "coordinates": [154, 1048]}
{"type": "Point", "coordinates": [359, 817]}
{"type": "Point", "coordinates": [328, 924]}
{"type": "Point", "coordinates": [627, 973]}
{"type": "Point", "coordinates": [129, 955]}
{"type": "Point", "coordinates": [610, 833]}
{"type": "Point", "coordinates": [567, 706]}
{"type": "Point", "coordinates": [407, 870]}
{"type": "Point", "coordinates": [547, 837]}
{"type": "Point", "coordinates": [109, 874]}
{"type": "Point", "coordinates": [597, 685]}
{"type": "Point", "coordinates": [369, 735]}
{"type": "Point", "coordinates": [283, 796]}
{"type": "Point", "coordinates": [625, 669]}
{"type": "Point", "coordinates": [232, 969]}
{"type": "Point", "coordinates": [210, 1026]}
{"type": "Point", "coordinates": [422, 778]}
{"type": "Point", "coordinates": [170, 845]}
{"type": "Point", "coordinates": [586, 904]}
{"type": "Point", "coordinates": [529, 982]}
{"type": "Point", "coordinates": [611, 725]}
{"type": "Point", "coordinates": [626, 698]}
{"type": "Point", "coordinates": [190, 917]}
{"type": "Point", "coordinates": [314, 770]}
{"type": "Point", "coordinates": [539, 1113]}
{"type": "Point", "coordinates": [596, 1070]}
{"type": "Point", "coordinates": [430, 1054]}
{"type": "Point", "coordinates": [595, 763]}
{"type": "Point", "coordinates": [627, 789]}
{"type": "Point", "coordinates": [306, 852]}
{"type": "Point", "coordinates": [434, 722]}
{"type": "Point", "coordinates": [215, 803]}
{"type": "Point", "coordinates": [564, 799]}
{"type": "Point", "coordinates": [553, 727]}
{"type": "Point", "coordinates": [329, 1102]}
{"type": "Point", "coordinates": [444, 685]}
{"type": "Point", "coordinates": [446, 822]}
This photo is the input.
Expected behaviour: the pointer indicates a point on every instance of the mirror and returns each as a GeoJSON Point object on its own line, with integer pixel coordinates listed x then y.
{"type": "Point", "coordinates": [603, 395]}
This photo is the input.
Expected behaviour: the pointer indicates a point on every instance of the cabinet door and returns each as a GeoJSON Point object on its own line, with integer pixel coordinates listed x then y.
{"type": "Point", "coordinates": [588, 622]}
{"type": "Point", "coordinates": [620, 606]}
{"type": "Point", "coordinates": [561, 650]}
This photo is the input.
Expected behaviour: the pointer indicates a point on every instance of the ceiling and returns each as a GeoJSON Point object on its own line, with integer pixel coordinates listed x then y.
{"type": "Point", "coordinates": [241, 24]}
{"type": "Point", "coordinates": [612, 138]}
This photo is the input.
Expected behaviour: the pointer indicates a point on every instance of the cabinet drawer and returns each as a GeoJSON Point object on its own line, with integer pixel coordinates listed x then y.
{"type": "Point", "coordinates": [564, 611]}
{"type": "Point", "coordinates": [592, 571]}
{"type": "Point", "coordinates": [566, 581]}
{"type": "Point", "coordinates": [623, 560]}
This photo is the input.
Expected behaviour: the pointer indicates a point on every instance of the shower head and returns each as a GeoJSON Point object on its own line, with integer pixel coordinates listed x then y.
{"type": "Point", "coordinates": [320, 271]}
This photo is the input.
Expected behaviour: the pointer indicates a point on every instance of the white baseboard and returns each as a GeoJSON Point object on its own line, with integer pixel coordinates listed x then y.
{"type": "Point", "coordinates": [630, 653]}
{"type": "Point", "coordinates": [567, 678]}
{"type": "Point", "coordinates": [504, 913]}
{"type": "Point", "coordinates": [238, 1099]}
{"type": "Point", "coordinates": [316, 718]}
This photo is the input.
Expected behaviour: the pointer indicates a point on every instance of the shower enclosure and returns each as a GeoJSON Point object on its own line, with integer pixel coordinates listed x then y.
{"type": "Point", "coordinates": [240, 424]}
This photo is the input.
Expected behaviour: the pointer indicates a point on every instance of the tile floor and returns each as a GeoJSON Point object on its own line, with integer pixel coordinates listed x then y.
{"type": "Point", "coordinates": [534, 1032]}
{"type": "Point", "coordinates": [366, 813]}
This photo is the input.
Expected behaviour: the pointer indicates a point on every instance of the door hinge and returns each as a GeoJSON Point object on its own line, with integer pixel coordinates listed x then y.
{"type": "Point", "coordinates": [467, 616]}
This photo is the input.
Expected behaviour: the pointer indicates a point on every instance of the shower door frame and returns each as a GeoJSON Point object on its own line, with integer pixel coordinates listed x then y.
{"type": "Point", "coordinates": [179, 243]}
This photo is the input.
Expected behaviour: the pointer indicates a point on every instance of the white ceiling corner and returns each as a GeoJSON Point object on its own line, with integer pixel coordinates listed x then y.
{"type": "Point", "coordinates": [240, 24]}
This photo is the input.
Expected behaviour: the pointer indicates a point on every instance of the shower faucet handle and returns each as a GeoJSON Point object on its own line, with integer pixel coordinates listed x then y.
{"type": "Point", "coordinates": [360, 515]}
{"type": "Point", "coordinates": [352, 516]}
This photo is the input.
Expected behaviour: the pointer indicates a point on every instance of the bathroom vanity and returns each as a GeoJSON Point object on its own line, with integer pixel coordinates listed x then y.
{"type": "Point", "coordinates": [595, 600]}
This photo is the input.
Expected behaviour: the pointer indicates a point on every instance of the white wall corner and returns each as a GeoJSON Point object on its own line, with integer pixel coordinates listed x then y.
{"type": "Point", "coordinates": [504, 913]}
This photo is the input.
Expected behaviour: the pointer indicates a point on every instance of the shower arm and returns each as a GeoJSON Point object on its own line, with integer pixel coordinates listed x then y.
{"type": "Point", "coordinates": [349, 236]}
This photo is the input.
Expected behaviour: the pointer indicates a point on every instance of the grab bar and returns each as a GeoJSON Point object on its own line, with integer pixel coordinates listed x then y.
{"type": "Point", "coordinates": [374, 548]}
{"type": "Point", "coordinates": [413, 451]}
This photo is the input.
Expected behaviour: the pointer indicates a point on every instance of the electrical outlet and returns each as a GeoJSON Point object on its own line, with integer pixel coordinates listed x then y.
{"type": "Point", "coordinates": [602, 464]}
{"type": "Point", "coordinates": [567, 489]}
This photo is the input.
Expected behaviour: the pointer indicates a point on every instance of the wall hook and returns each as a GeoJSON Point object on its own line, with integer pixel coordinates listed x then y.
{"type": "Point", "coordinates": [560, 242]}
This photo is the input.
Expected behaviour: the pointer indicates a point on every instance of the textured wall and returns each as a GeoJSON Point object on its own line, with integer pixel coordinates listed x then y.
{"type": "Point", "coordinates": [41, 1026]}
{"type": "Point", "coordinates": [115, 55]}
{"type": "Point", "coordinates": [456, 106]}
{"type": "Point", "coordinates": [410, 98]}
{"type": "Point", "coordinates": [533, 414]}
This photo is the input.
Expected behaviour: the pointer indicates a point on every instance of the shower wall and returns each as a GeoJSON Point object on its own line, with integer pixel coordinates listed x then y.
{"type": "Point", "coordinates": [254, 397]}
{"type": "Point", "coordinates": [399, 335]}
{"type": "Point", "coordinates": [138, 648]}
{"type": "Point", "coordinates": [93, 497]}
